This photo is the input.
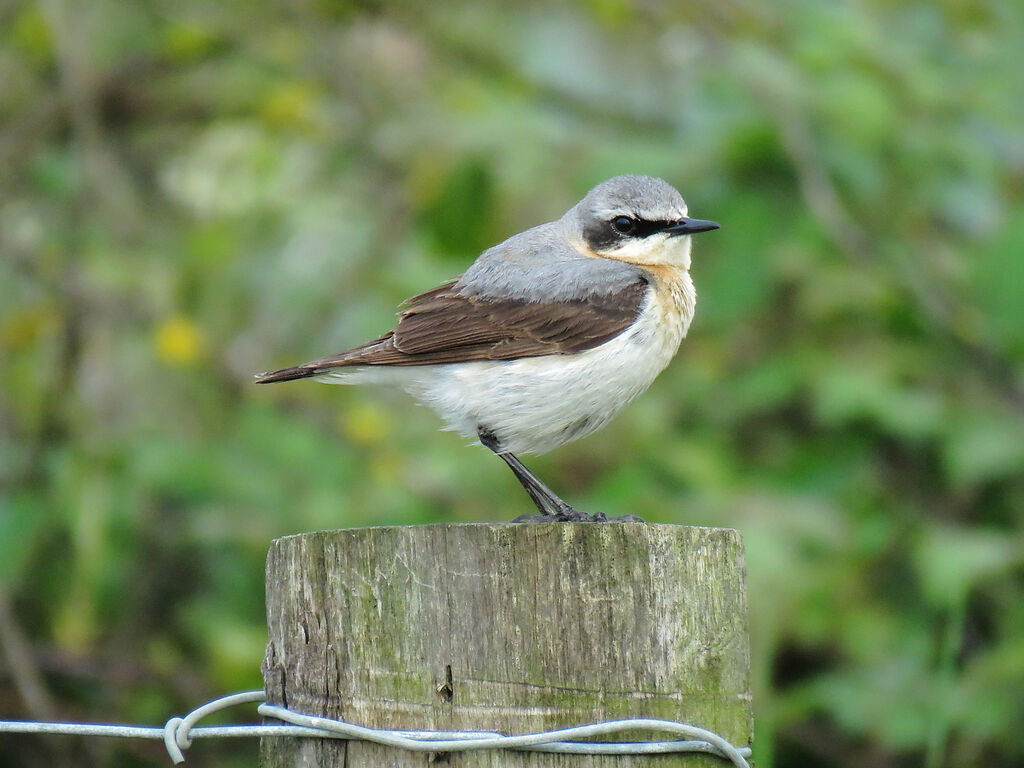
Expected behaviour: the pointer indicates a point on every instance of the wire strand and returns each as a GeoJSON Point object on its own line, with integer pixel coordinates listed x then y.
{"type": "Point", "coordinates": [178, 733]}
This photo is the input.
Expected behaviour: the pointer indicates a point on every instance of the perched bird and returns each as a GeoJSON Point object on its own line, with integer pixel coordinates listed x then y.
{"type": "Point", "coordinates": [546, 336]}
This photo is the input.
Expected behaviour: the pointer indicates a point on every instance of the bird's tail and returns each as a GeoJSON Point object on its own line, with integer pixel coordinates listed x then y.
{"type": "Point", "coordinates": [288, 374]}
{"type": "Point", "coordinates": [328, 365]}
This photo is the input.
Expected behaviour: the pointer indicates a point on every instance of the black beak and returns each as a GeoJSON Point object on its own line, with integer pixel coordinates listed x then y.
{"type": "Point", "coordinates": [690, 227]}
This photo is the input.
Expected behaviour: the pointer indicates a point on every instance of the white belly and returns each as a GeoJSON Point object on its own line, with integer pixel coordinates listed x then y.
{"type": "Point", "coordinates": [535, 404]}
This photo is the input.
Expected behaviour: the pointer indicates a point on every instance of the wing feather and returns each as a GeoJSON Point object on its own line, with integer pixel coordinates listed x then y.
{"type": "Point", "coordinates": [445, 326]}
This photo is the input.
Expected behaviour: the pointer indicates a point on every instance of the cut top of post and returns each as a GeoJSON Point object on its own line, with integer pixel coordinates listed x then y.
{"type": "Point", "coordinates": [511, 628]}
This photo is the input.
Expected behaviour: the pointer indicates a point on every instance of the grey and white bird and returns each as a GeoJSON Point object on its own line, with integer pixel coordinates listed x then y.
{"type": "Point", "coordinates": [546, 336]}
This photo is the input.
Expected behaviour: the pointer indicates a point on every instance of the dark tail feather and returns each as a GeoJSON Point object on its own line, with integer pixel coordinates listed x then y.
{"type": "Point", "coordinates": [287, 374]}
{"type": "Point", "coordinates": [361, 355]}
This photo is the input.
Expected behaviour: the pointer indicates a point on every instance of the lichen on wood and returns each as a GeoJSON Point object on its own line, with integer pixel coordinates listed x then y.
{"type": "Point", "coordinates": [542, 626]}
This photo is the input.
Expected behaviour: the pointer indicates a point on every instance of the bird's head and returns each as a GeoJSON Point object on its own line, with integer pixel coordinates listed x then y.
{"type": "Point", "coordinates": [636, 219]}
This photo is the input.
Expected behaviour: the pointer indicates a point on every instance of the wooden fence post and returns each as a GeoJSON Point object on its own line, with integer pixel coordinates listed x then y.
{"type": "Point", "coordinates": [541, 626]}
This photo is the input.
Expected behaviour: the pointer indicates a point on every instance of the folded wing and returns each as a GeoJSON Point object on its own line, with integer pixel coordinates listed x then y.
{"type": "Point", "coordinates": [445, 326]}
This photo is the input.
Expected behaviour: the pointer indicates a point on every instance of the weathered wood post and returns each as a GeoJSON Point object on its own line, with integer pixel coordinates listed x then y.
{"type": "Point", "coordinates": [541, 626]}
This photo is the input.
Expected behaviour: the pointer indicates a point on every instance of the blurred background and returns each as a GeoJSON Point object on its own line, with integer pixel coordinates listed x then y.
{"type": "Point", "coordinates": [193, 192]}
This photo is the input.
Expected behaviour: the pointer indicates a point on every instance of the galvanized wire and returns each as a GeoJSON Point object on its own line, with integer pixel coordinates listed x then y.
{"type": "Point", "coordinates": [179, 732]}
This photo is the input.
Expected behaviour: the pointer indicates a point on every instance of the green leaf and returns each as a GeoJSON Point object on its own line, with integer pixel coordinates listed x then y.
{"type": "Point", "coordinates": [997, 277]}
{"type": "Point", "coordinates": [984, 446]}
{"type": "Point", "coordinates": [951, 561]}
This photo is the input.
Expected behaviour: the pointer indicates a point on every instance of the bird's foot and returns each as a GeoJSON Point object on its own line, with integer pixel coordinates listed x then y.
{"type": "Point", "coordinates": [570, 515]}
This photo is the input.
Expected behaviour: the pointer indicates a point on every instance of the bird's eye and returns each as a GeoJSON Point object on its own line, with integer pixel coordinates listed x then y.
{"type": "Point", "coordinates": [623, 225]}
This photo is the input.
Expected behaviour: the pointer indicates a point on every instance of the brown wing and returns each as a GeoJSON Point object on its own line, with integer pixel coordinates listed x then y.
{"type": "Point", "coordinates": [442, 326]}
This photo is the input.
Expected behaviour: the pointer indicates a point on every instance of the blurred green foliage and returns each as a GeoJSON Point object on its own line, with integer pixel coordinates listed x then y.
{"type": "Point", "coordinates": [193, 192]}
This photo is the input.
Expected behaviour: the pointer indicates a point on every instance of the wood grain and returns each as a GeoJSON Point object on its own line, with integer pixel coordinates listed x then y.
{"type": "Point", "coordinates": [543, 626]}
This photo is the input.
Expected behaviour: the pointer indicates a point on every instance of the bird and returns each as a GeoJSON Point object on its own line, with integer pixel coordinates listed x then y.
{"type": "Point", "coordinates": [546, 336]}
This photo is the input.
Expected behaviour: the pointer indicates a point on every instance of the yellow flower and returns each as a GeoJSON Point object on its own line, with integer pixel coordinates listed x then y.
{"type": "Point", "coordinates": [178, 341]}
{"type": "Point", "coordinates": [289, 104]}
{"type": "Point", "coordinates": [366, 424]}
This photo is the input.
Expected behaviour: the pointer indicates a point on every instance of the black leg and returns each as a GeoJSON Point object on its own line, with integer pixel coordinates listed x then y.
{"type": "Point", "coordinates": [546, 500]}
{"type": "Point", "coordinates": [550, 506]}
